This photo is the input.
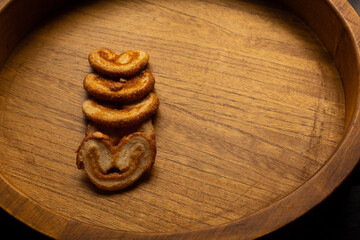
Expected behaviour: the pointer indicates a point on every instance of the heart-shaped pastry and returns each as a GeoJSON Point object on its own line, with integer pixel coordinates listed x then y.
{"type": "Point", "coordinates": [112, 167]}
{"type": "Point", "coordinates": [111, 64]}
{"type": "Point", "coordinates": [114, 115]}
{"type": "Point", "coordinates": [128, 91]}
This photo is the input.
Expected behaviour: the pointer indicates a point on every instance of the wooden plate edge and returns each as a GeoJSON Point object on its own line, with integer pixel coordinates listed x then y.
{"type": "Point", "coordinates": [57, 226]}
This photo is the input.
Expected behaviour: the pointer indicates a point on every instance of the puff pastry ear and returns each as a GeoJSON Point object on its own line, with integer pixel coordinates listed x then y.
{"type": "Point", "coordinates": [121, 115]}
{"type": "Point", "coordinates": [111, 64]}
{"type": "Point", "coordinates": [128, 91]}
{"type": "Point", "coordinates": [112, 167]}
{"type": "Point", "coordinates": [119, 145]}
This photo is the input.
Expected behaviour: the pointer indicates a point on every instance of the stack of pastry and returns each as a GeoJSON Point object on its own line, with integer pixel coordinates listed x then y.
{"type": "Point", "coordinates": [119, 144]}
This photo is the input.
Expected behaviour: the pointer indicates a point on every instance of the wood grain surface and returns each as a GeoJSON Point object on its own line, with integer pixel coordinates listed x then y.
{"type": "Point", "coordinates": [251, 108]}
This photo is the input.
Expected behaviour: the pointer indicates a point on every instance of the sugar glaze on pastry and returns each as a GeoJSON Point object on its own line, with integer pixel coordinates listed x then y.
{"type": "Point", "coordinates": [111, 64]}
{"type": "Point", "coordinates": [114, 115]}
{"type": "Point", "coordinates": [130, 90]}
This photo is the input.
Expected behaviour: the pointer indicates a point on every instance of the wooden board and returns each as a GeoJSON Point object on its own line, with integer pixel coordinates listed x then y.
{"type": "Point", "coordinates": [251, 109]}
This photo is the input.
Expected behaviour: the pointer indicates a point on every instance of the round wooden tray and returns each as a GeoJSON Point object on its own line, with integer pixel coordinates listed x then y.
{"type": "Point", "coordinates": [258, 119]}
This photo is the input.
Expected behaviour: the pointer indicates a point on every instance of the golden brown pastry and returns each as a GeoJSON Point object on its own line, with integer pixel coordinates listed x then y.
{"type": "Point", "coordinates": [123, 115]}
{"type": "Point", "coordinates": [119, 145]}
{"type": "Point", "coordinates": [112, 167]}
{"type": "Point", "coordinates": [127, 91]}
{"type": "Point", "coordinates": [111, 64]}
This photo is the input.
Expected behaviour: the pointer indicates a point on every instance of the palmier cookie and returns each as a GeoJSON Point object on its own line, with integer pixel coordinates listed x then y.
{"type": "Point", "coordinates": [112, 167]}
{"type": "Point", "coordinates": [121, 115]}
{"type": "Point", "coordinates": [111, 64]}
{"type": "Point", "coordinates": [131, 90]}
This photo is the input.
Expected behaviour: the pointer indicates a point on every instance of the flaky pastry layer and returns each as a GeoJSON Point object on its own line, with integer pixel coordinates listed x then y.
{"type": "Point", "coordinates": [121, 115]}
{"type": "Point", "coordinates": [111, 64]}
{"type": "Point", "coordinates": [116, 134]}
{"type": "Point", "coordinates": [128, 91]}
{"type": "Point", "coordinates": [113, 167]}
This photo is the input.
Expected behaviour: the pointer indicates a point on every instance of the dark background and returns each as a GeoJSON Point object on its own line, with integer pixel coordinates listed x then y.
{"type": "Point", "coordinates": [356, 5]}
